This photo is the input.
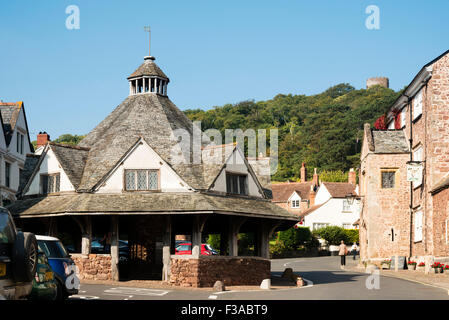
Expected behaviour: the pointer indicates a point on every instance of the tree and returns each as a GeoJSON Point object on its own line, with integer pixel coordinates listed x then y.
{"type": "Point", "coordinates": [333, 235]}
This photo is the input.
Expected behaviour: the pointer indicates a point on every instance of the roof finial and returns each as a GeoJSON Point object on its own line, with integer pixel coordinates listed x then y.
{"type": "Point", "coordinates": [147, 29]}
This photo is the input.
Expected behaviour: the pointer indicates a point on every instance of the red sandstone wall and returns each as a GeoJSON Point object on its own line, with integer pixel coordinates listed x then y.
{"type": "Point", "coordinates": [93, 266]}
{"type": "Point", "coordinates": [441, 215]}
{"type": "Point", "coordinates": [203, 272]}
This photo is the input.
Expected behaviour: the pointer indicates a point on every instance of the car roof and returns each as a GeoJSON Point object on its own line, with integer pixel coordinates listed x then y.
{"type": "Point", "coordinates": [46, 238]}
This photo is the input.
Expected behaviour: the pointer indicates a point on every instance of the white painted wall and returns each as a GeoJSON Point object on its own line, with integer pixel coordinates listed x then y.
{"type": "Point", "coordinates": [49, 165]}
{"type": "Point", "coordinates": [332, 213]}
{"type": "Point", "coordinates": [322, 195]}
{"type": "Point", "coordinates": [20, 127]}
{"type": "Point", "coordinates": [144, 157]}
{"type": "Point", "coordinates": [236, 164]}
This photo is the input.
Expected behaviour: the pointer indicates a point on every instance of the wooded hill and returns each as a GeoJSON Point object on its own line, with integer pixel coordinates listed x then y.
{"type": "Point", "coordinates": [324, 130]}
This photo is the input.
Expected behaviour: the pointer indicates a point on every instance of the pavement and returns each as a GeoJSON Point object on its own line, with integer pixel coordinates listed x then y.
{"type": "Point", "coordinates": [325, 281]}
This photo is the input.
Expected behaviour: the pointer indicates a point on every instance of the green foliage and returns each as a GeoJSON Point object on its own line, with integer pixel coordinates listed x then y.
{"type": "Point", "coordinates": [294, 238]}
{"type": "Point", "coordinates": [246, 244]}
{"type": "Point", "coordinates": [353, 236]}
{"type": "Point", "coordinates": [333, 176]}
{"type": "Point", "coordinates": [333, 235]}
{"type": "Point", "coordinates": [214, 241]}
{"type": "Point", "coordinates": [324, 130]}
{"type": "Point", "coordinates": [69, 139]}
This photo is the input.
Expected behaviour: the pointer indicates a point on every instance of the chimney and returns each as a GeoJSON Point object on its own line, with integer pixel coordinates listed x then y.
{"type": "Point", "coordinates": [352, 177]}
{"type": "Point", "coordinates": [315, 177]}
{"type": "Point", "coordinates": [312, 196]}
{"type": "Point", "coordinates": [303, 173]}
{"type": "Point", "coordinates": [42, 139]}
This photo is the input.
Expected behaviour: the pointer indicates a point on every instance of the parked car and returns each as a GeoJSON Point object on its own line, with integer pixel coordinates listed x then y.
{"type": "Point", "coordinates": [98, 248]}
{"type": "Point", "coordinates": [60, 263]}
{"type": "Point", "coordinates": [18, 259]}
{"type": "Point", "coordinates": [44, 282]}
{"type": "Point", "coordinates": [186, 248]}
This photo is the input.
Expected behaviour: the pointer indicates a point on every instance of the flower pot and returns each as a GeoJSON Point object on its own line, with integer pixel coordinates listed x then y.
{"type": "Point", "coordinates": [385, 266]}
{"type": "Point", "coordinates": [421, 268]}
{"type": "Point", "coordinates": [411, 267]}
{"type": "Point", "coordinates": [440, 270]}
{"type": "Point", "coordinates": [435, 270]}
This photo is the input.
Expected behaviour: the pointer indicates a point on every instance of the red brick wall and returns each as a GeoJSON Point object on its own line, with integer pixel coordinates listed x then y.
{"type": "Point", "coordinates": [203, 272]}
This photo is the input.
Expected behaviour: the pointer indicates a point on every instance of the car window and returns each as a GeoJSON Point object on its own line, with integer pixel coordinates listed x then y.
{"type": "Point", "coordinates": [52, 249]}
{"type": "Point", "coordinates": [7, 233]}
{"type": "Point", "coordinates": [183, 248]}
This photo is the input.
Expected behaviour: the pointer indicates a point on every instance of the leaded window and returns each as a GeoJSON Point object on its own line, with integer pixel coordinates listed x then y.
{"type": "Point", "coordinates": [141, 180]}
{"type": "Point", "coordinates": [236, 183]}
{"type": "Point", "coordinates": [50, 183]}
{"type": "Point", "coordinates": [388, 179]}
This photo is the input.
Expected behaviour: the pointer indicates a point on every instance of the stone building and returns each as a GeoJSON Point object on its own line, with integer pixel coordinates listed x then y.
{"type": "Point", "coordinates": [401, 217]}
{"type": "Point", "coordinates": [131, 177]}
{"type": "Point", "coordinates": [296, 197]}
{"type": "Point", "coordinates": [15, 148]}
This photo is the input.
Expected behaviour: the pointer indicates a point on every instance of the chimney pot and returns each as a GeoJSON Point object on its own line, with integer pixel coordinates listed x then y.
{"type": "Point", "coordinates": [352, 177]}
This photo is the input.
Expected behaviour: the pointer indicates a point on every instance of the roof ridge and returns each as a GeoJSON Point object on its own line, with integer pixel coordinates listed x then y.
{"type": "Point", "coordinates": [68, 146]}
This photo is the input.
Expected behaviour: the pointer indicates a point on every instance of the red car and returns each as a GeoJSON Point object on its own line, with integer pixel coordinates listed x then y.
{"type": "Point", "coordinates": [186, 248]}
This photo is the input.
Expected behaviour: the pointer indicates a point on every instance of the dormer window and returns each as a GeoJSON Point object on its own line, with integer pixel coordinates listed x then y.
{"type": "Point", "coordinates": [142, 180]}
{"type": "Point", "coordinates": [50, 183]}
{"type": "Point", "coordinates": [295, 203]}
{"type": "Point", "coordinates": [237, 183]}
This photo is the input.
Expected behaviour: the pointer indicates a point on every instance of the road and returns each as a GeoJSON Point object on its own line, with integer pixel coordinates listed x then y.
{"type": "Point", "coordinates": [325, 281]}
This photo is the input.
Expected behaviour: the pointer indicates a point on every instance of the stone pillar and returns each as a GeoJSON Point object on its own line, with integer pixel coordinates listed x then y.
{"type": "Point", "coordinates": [166, 250]}
{"type": "Point", "coordinates": [114, 248]}
{"type": "Point", "coordinates": [86, 237]}
{"type": "Point", "coordinates": [196, 238]}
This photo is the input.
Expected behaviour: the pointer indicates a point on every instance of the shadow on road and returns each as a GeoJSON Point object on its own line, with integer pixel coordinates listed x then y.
{"type": "Point", "coordinates": [318, 277]}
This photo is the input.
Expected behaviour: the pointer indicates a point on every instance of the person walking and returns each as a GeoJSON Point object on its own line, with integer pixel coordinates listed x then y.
{"type": "Point", "coordinates": [354, 250]}
{"type": "Point", "coordinates": [342, 253]}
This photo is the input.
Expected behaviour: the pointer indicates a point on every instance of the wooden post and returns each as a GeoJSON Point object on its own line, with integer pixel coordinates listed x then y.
{"type": "Point", "coordinates": [234, 226]}
{"type": "Point", "coordinates": [197, 229]}
{"type": "Point", "coordinates": [166, 250]}
{"type": "Point", "coordinates": [114, 248]}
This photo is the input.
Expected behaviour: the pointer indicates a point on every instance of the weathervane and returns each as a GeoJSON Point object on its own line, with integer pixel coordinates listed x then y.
{"type": "Point", "coordinates": [147, 29]}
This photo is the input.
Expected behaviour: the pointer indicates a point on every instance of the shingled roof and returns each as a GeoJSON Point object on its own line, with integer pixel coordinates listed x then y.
{"type": "Point", "coordinates": [28, 169]}
{"type": "Point", "coordinates": [386, 141]}
{"type": "Point", "coordinates": [148, 68]}
{"type": "Point", "coordinates": [72, 159]}
{"type": "Point", "coordinates": [148, 203]}
{"type": "Point", "coordinates": [150, 116]}
{"type": "Point", "coordinates": [10, 113]}
{"type": "Point", "coordinates": [283, 191]}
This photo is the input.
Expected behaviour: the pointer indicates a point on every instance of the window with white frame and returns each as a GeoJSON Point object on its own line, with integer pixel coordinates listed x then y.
{"type": "Point", "coordinates": [347, 226]}
{"type": "Point", "coordinates": [417, 105]}
{"type": "Point", "coordinates": [141, 180]}
{"type": "Point", "coordinates": [418, 225]}
{"type": "Point", "coordinates": [417, 156]}
{"type": "Point", "coordinates": [50, 183]}
{"type": "Point", "coordinates": [319, 225]}
{"type": "Point", "coordinates": [295, 203]}
{"type": "Point", "coordinates": [403, 117]}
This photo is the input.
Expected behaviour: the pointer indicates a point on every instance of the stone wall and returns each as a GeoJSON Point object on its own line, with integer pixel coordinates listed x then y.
{"type": "Point", "coordinates": [441, 223]}
{"type": "Point", "coordinates": [203, 272]}
{"type": "Point", "coordinates": [93, 266]}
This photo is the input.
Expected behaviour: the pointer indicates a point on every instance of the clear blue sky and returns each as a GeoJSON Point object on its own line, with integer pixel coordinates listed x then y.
{"type": "Point", "coordinates": [214, 52]}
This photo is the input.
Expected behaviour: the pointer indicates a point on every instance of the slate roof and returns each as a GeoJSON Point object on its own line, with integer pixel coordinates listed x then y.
{"type": "Point", "coordinates": [150, 116]}
{"type": "Point", "coordinates": [72, 160]}
{"type": "Point", "coordinates": [148, 68]}
{"type": "Point", "coordinates": [148, 203]}
{"type": "Point", "coordinates": [339, 189]}
{"type": "Point", "coordinates": [389, 141]}
{"type": "Point", "coordinates": [283, 191]}
{"type": "Point", "coordinates": [28, 168]}
{"type": "Point", "coordinates": [312, 209]}
{"type": "Point", "coordinates": [10, 113]}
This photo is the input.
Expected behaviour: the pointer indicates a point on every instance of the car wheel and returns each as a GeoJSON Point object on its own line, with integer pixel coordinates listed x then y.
{"type": "Point", "coordinates": [25, 257]}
